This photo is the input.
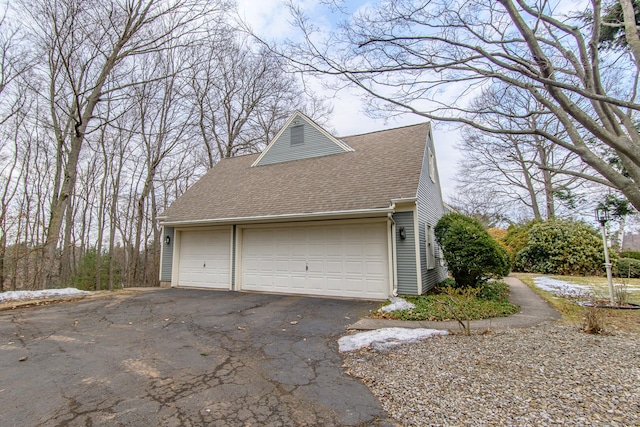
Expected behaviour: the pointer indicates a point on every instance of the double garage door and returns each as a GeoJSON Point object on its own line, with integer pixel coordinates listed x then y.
{"type": "Point", "coordinates": [345, 260]}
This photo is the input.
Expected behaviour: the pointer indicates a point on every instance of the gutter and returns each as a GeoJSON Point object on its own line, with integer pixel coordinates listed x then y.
{"type": "Point", "coordinates": [284, 217]}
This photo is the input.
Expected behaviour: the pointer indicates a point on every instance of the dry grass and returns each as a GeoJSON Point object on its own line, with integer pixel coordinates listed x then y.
{"type": "Point", "coordinates": [600, 286]}
{"type": "Point", "coordinates": [613, 320]}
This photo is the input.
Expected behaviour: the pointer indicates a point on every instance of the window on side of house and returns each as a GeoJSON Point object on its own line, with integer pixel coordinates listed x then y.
{"type": "Point", "coordinates": [431, 247]}
{"type": "Point", "coordinates": [432, 166]}
{"type": "Point", "coordinates": [297, 135]}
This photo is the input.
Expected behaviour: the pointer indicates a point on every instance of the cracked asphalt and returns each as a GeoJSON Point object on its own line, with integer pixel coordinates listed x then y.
{"type": "Point", "coordinates": [182, 357]}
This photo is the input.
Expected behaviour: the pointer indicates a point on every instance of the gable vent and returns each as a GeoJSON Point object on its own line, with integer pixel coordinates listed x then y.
{"type": "Point", "coordinates": [297, 135]}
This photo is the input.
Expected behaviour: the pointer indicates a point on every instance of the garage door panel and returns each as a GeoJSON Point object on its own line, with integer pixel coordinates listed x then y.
{"type": "Point", "coordinates": [354, 268]}
{"type": "Point", "coordinates": [205, 257]}
{"type": "Point", "coordinates": [316, 284]}
{"type": "Point", "coordinates": [334, 284]}
{"type": "Point", "coordinates": [374, 268]}
{"type": "Point", "coordinates": [334, 260]}
{"type": "Point", "coordinates": [353, 250]}
{"type": "Point", "coordinates": [317, 250]}
{"type": "Point", "coordinates": [282, 265]}
{"type": "Point", "coordinates": [355, 285]}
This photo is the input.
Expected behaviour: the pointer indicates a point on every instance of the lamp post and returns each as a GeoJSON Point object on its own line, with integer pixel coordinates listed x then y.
{"type": "Point", "coordinates": [602, 215]}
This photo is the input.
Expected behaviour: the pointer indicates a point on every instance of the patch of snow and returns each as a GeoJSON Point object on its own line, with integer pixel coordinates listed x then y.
{"type": "Point", "coordinates": [385, 338]}
{"type": "Point", "coordinates": [34, 295]}
{"type": "Point", "coordinates": [562, 288]}
{"type": "Point", "coordinates": [397, 303]}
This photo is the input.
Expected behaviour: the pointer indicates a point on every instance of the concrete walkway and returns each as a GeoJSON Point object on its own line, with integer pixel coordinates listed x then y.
{"type": "Point", "coordinates": [533, 311]}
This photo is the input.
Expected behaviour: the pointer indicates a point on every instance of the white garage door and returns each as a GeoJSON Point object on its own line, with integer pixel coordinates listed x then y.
{"type": "Point", "coordinates": [205, 259]}
{"type": "Point", "coordinates": [332, 260]}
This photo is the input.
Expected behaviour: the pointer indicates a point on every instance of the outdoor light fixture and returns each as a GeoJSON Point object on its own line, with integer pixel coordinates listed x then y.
{"type": "Point", "coordinates": [602, 215]}
{"type": "Point", "coordinates": [403, 233]}
{"type": "Point", "coordinates": [167, 240]}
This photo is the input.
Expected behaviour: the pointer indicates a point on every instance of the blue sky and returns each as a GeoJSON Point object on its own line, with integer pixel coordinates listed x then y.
{"type": "Point", "coordinates": [270, 19]}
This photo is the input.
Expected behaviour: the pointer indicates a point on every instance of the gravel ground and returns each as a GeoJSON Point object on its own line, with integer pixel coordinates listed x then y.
{"type": "Point", "coordinates": [549, 375]}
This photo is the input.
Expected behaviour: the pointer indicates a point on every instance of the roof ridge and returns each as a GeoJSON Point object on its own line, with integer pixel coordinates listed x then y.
{"type": "Point", "coordinates": [237, 156]}
{"type": "Point", "coordinates": [386, 130]}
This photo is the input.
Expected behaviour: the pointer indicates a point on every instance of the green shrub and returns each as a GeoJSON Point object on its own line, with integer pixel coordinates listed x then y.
{"type": "Point", "coordinates": [630, 254]}
{"type": "Point", "coordinates": [85, 277]}
{"type": "Point", "coordinates": [448, 283]}
{"type": "Point", "coordinates": [561, 247]}
{"type": "Point", "coordinates": [472, 256]}
{"type": "Point", "coordinates": [517, 238]}
{"type": "Point", "coordinates": [449, 303]}
{"type": "Point", "coordinates": [494, 290]}
{"type": "Point", "coordinates": [627, 267]}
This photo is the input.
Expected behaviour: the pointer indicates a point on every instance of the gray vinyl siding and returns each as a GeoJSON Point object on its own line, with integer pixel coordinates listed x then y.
{"type": "Point", "coordinates": [430, 209]}
{"type": "Point", "coordinates": [406, 254]}
{"type": "Point", "coordinates": [167, 255]}
{"type": "Point", "coordinates": [316, 144]}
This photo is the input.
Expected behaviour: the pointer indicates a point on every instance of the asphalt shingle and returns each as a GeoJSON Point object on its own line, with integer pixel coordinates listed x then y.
{"type": "Point", "coordinates": [385, 165]}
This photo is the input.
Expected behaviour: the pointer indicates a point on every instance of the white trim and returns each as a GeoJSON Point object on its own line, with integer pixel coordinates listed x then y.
{"type": "Point", "coordinates": [275, 218]}
{"type": "Point", "coordinates": [238, 272]}
{"type": "Point", "coordinates": [240, 243]}
{"type": "Point", "coordinates": [432, 163]}
{"type": "Point", "coordinates": [405, 200]}
{"type": "Point", "coordinates": [295, 114]}
{"type": "Point", "coordinates": [177, 237]}
{"type": "Point", "coordinates": [175, 263]}
{"type": "Point", "coordinates": [429, 244]}
{"type": "Point", "coordinates": [161, 253]}
{"type": "Point", "coordinates": [231, 258]}
{"type": "Point", "coordinates": [416, 227]}
{"type": "Point", "coordinates": [393, 257]}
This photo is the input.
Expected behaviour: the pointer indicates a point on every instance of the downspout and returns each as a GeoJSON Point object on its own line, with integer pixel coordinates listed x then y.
{"type": "Point", "coordinates": [161, 253]}
{"type": "Point", "coordinates": [394, 261]}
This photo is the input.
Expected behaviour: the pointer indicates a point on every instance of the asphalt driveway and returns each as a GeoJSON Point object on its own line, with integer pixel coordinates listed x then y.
{"type": "Point", "coordinates": [181, 357]}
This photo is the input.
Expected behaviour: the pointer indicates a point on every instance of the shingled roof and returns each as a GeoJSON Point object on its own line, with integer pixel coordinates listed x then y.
{"type": "Point", "coordinates": [384, 165]}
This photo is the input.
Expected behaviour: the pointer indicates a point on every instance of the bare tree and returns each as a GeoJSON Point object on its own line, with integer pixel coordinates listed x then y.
{"type": "Point", "coordinates": [88, 43]}
{"type": "Point", "coordinates": [522, 168]}
{"type": "Point", "coordinates": [15, 65]}
{"type": "Point", "coordinates": [428, 58]}
{"type": "Point", "coordinates": [243, 95]}
{"type": "Point", "coordinates": [164, 114]}
{"type": "Point", "coordinates": [483, 204]}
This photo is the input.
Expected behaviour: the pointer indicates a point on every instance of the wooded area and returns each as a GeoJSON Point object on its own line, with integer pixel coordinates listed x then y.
{"type": "Point", "coordinates": [108, 111]}
{"type": "Point", "coordinates": [547, 90]}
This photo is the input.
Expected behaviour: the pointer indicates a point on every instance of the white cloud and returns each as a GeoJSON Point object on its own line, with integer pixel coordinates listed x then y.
{"type": "Point", "coordinates": [268, 18]}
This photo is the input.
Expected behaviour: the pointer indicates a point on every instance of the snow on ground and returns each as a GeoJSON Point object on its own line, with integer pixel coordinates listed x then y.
{"type": "Point", "coordinates": [397, 304]}
{"type": "Point", "coordinates": [566, 289]}
{"type": "Point", "coordinates": [562, 288]}
{"type": "Point", "coordinates": [34, 295]}
{"type": "Point", "coordinates": [385, 338]}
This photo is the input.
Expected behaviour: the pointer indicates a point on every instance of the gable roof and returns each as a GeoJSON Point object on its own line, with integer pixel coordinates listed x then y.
{"type": "Point", "coordinates": [323, 143]}
{"type": "Point", "coordinates": [384, 165]}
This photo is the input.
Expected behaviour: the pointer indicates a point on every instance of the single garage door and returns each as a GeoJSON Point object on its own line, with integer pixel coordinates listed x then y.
{"type": "Point", "coordinates": [348, 260]}
{"type": "Point", "coordinates": [205, 259]}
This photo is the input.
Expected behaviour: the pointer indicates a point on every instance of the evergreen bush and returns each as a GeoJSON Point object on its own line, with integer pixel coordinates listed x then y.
{"type": "Point", "coordinates": [472, 256]}
{"type": "Point", "coordinates": [517, 238]}
{"type": "Point", "coordinates": [627, 267]}
{"type": "Point", "coordinates": [630, 254]}
{"type": "Point", "coordinates": [561, 247]}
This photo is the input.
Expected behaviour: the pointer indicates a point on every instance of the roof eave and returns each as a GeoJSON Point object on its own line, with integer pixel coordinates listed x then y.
{"type": "Point", "coordinates": [356, 213]}
{"type": "Point", "coordinates": [404, 200]}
